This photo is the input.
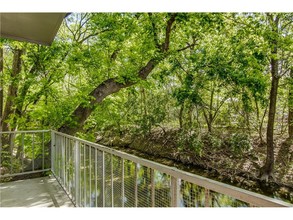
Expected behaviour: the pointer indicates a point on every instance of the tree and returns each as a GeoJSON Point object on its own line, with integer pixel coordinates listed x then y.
{"type": "Point", "coordinates": [161, 42]}
{"type": "Point", "coordinates": [277, 24]}
{"type": "Point", "coordinates": [290, 106]}
{"type": "Point", "coordinates": [1, 86]}
{"type": "Point", "coordinates": [12, 89]}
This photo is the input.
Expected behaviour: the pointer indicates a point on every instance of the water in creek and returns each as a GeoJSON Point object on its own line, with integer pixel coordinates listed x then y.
{"type": "Point", "coordinates": [110, 181]}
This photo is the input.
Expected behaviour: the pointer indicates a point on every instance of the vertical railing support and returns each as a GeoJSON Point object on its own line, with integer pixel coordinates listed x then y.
{"type": "Point", "coordinates": [77, 173]}
{"type": "Point", "coordinates": [112, 184]}
{"type": "Point", "coordinates": [33, 151]}
{"type": "Point", "coordinates": [11, 146]}
{"type": "Point", "coordinates": [84, 175]}
{"type": "Point", "coordinates": [96, 173]}
{"type": "Point", "coordinates": [43, 151]}
{"type": "Point", "coordinates": [53, 144]}
{"type": "Point", "coordinates": [175, 192]}
{"type": "Point", "coordinates": [65, 161]}
{"type": "Point", "coordinates": [153, 187]}
{"type": "Point", "coordinates": [122, 185]}
{"type": "Point", "coordinates": [207, 198]}
{"type": "Point", "coordinates": [22, 152]}
{"type": "Point", "coordinates": [1, 148]}
{"type": "Point", "coordinates": [90, 175]}
{"type": "Point", "coordinates": [63, 158]}
{"type": "Point", "coordinates": [135, 187]}
{"type": "Point", "coordinates": [103, 178]}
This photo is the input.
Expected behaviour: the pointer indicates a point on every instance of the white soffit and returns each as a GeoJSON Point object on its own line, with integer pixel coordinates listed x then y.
{"type": "Point", "coordinates": [40, 28]}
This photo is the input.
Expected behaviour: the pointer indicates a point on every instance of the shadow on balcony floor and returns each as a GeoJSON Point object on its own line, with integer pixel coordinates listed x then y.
{"type": "Point", "coordinates": [38, 192]}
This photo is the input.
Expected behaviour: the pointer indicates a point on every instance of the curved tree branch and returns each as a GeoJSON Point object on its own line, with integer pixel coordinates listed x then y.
{"type": "Point", "coordinates": [112, 85]}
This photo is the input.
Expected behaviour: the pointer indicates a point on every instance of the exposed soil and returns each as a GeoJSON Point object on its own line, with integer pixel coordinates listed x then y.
{"type": "Point", "coordinates": [221, 163]}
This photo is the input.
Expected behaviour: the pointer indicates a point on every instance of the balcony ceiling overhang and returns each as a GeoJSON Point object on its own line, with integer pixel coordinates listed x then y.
{"type": "Point", "coordinates": [40, 28]}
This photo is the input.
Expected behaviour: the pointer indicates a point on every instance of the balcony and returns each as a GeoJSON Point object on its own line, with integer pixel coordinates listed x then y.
{"type": "Point", "coordinates": [86, 174]}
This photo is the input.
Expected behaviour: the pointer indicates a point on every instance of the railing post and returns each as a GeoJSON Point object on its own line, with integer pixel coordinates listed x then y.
{"type": "Point", "coordinates": [33, 151]}
{"type": "Point", "coordinates": [90, 175]}
{"type": "Point", "coordinates": [96, 173]}
{"type": "Point", "coordinates": [103, 178]}
{"type": "Point", "coordinates": [84, 175]}
{"type": "Point", "coordinates": [0, 147]}
{"type": "Point", "coordinates": [122, 185]}
{"type": "Point", "coordinates": [53, 144]}
{"type": "Point", "coordinates": [22, 151]}
{"type": "Point", "coordinates": [175, 192]}
{"type": "Point", "coordinates": [153, 187]}
{"type": "Point", "coordinates": [135, 187]}
{"type": "Point", "coordinates": [43, 151]}
{"type": "Point", "coordinates": [64, 162]}
{"type": "Point", "coordinates": [77, 173]}
{"type": "Point", "coordinates": [112, 184]}
{"type": "Point", "coordinates": [207, 198]}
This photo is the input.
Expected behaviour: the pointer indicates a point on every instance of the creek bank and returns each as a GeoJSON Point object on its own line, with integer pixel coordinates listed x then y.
{"type": "Point", "coordinates": [220, 164]}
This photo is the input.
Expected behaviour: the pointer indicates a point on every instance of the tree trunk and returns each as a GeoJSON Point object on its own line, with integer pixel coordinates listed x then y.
{"type": "Point", "coordinates": [1, 102]}
{"type": "Point", "coordinates": [290, 107]}
{"type": "Point", "coordinates": [12, 89]}
{"type": "Point", "coordinates": [1, 87]}
{"type": "Point", "coordinates": [269, 164]}
{"type": "Point", "coordinates": [7, 142]}
{"type": "Point", "coordinates": [208, 120]}
{"type": "Point", "coordinates": [181, 116]}
{"type": "Point", "coordinates": [268, 169]}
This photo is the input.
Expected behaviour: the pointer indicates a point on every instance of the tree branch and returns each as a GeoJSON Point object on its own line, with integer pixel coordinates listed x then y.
{"type": "Point", "coordinates": [112, 85]}
{"type": "Point", "coordinates": [170, 22]}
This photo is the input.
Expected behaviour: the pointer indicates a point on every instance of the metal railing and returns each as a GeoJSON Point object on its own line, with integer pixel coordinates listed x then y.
{"type": "Point", "coordinates": [24, 152]}
{"type": "Point", "coordinates": [97, 176]}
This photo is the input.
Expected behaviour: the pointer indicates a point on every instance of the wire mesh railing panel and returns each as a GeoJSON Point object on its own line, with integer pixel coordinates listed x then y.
{"type": "Point", "coordinates": [118, 190]}
{"type": "Point", "coordinates": [100, 181]}
{"type": "Point", "coordinates": [192, 195]}
{"type": "Point", "coordinates": [130, 187]}
{"type": "Point", "coordinates": [92, 179]}
{"type": "Point", "coordinates": [222, 200]}
{"type": "Point", "coordinates": [87, 177]}
{"type": "Point", "coordinates": [24, 152]}
{"type": "Point", "coordinates": [70, 166]}
{"type": "Point", "coordinates": [108, 159]}
{"type": "Point", "coordinates": [84, 176]}
{"type": "Point", "coordinates": [143, 182]}
{"type": "Point", "coordinates": [162, 192]}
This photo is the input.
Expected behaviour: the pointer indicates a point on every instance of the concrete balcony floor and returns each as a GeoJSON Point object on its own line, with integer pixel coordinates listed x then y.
{"type": "Point", "coordinates": [38, 192]}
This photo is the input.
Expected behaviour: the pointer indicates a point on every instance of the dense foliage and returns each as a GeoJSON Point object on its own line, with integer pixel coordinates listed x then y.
{"type": "Point", "coordinates": [203, 73]}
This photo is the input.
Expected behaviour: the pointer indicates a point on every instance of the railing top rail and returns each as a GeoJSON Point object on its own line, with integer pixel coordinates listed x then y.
{"type": "Point", "coordinates": [238, 193]}
{"type": "Point", "coordinates": [29, 131]}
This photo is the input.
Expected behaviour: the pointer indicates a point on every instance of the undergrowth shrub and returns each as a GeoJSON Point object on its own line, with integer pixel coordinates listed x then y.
{"type": "Point", "coordinates": [239, 143]}
{"type": "Point", "coordinates": [189, 140]}
{"type": "Point", "coordinates": [212, 141]}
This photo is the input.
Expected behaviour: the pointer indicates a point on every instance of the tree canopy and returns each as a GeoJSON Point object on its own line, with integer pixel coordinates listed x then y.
{"type": "Point", "coordinates": [203, 73]}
